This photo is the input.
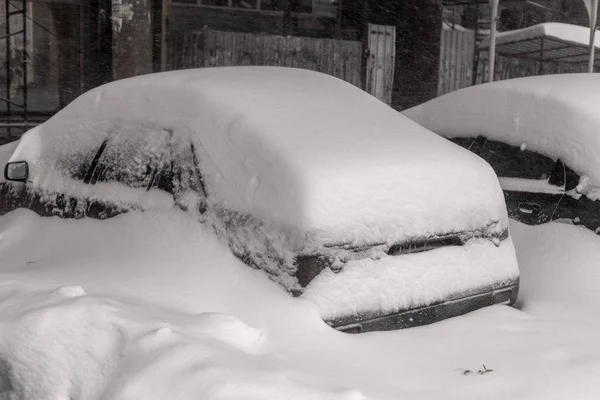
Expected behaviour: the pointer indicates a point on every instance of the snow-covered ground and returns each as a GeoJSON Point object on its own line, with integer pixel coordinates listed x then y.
{"type": "Point", "coordinates": [168, 313]}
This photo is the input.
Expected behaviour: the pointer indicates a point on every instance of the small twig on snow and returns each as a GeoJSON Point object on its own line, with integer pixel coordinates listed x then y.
{"type": "Point", "coordinates": [485, 370]}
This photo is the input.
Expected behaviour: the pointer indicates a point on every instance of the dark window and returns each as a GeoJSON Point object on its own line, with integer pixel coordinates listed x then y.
{"type": "Point", "coordinates": [512, 162]}
{"type": "Point", "coordinates": [245, 4]}
{"type": "Point", "coordinates": [215, 3]}
{"type": "Point", "coordinates": [133, 157]}
{"type": "Point", "coordinates": [271, 5]}
{"type": "Point", "coordinates": [139, 157]}
{"type": "Point", "coordinates": [301, 6]}
{"type": "Point", "coordinates": [296, 6]}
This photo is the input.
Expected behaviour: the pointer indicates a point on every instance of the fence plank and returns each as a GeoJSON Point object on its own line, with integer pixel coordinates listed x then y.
{"type": "Point", "coordinates": [456, 60]}
{"type": "Point", "coordinates": [380, 63]}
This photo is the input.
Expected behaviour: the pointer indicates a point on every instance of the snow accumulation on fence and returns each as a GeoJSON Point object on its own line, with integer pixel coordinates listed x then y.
{"type": "Point", "coordinates": [555, 115]}
{"type": "Point", "coordinates": [307, 152]}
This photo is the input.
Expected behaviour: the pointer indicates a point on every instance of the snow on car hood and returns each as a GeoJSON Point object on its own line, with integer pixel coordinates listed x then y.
{"type": "Point", "coordinates": [555, 115]}
{"type": "Point", "coordinates": [305, 151]}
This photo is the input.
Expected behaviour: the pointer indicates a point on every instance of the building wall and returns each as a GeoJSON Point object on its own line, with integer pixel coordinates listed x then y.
{"type": "Point", "coordinates": [321, 22]}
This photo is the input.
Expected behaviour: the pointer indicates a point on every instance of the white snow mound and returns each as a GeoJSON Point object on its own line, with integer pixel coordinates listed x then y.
{"type": "Point", "coordinates": [312, 154]}
{"type": "Point", "coordinates": [555, 115]}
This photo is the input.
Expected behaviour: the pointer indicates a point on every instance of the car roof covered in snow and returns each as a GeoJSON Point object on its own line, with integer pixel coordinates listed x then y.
{"type": "Point", "coordinates": [556, 115]}
{"type": "Point", "coordinates": [302, 149]}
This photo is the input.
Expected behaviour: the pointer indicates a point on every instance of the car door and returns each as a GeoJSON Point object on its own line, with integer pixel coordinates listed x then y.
{"type": "Point", "coordinates": [133, 163]}
{"type": "Point", "coordinates": [532, 190]}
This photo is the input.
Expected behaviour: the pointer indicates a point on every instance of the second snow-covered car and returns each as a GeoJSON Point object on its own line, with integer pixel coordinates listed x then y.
{"type": "Point", "coordinates": [540, 134]}
{"type": "Point", "coordinates": [340, 199]}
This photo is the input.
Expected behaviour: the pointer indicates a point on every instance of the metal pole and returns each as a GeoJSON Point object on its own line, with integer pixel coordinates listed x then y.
{"type": "Point", "coordinates": [541, 66]}
{"type": "Point", "coordinates": [475, 69]}
{"type": "Point", "coordinates": [593, 11]}
{"type": "Point", "coordinates": [492, 51]}
{"type": "Point", "coordinates": [24, 61]}
{"type": "Point", "coordinates": [8, 55]}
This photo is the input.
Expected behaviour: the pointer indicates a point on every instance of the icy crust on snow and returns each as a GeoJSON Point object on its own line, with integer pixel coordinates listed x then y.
{"type": "Point", "coordinates": [395, 283]}
{"type": "Point", "coordinates": [555, 115]}
{"type": "Point", "coordinates": [567, 32]}
{"type": "Point", "coordinates": [309, 154]}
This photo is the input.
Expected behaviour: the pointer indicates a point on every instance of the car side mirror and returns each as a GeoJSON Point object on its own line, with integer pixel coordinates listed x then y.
{"type": "Point", "coordinates": [16, 171]}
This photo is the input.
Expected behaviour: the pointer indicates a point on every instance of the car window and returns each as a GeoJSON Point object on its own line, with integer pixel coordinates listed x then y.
{"type": "Point", "coordinates": [513, 162]}
{"type": "Point", "coordinates": [140, 157]}
{"type": "Point", "coordinates": [132, 157]}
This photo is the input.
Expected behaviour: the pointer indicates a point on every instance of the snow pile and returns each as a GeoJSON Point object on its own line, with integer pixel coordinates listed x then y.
{"type": "Point", "coordinates": [305, 153]}
{"type": "Point", "coordinates": [167, 259]}
{"type": "Point", "coordinates": [169, 313]}
{"type": "Point", "coordinates": [586, 188]}
{"type": "Point", "coordinates": [559, 268]}
{"type": "Point", "coordinates": [564, 32]}
{"type": "Point", "coordinates": [67, 344]}
{"type": "Point", "coordinates": [142, 305]}
{"type": "Point", "coordinates": [555, 115]}
{"type": "Point", "coordinates": [396, 282]}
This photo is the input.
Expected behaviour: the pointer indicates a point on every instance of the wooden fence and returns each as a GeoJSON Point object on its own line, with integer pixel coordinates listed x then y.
{"type": "Point", "coordinates": [510, 67]}
{"type": "Point", "coordinates": [456, 64]}
{"type": "Point", "coordinates": [380, 61]}
{"type": "Point", "coordinates": [456, 60]}
{"type": "Point", "coordinates": [211, 48]}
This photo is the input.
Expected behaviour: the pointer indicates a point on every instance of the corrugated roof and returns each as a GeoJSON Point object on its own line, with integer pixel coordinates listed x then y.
{"type": "Point", "coordinates": [547, 42]}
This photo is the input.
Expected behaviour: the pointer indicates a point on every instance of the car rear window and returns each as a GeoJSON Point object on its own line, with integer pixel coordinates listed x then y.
{"type": "Point", "coordinates": [139, 157]}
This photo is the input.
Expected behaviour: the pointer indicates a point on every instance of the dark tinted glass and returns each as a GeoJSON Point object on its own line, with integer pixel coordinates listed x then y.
{"type": "Point", "coordinates": [510, 161]}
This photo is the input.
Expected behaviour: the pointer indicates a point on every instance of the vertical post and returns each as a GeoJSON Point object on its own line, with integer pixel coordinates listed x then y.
{"type": "Point", "coordinates": [540, 67]}
{"type": "Point", "coordinates": [24, 62]}
{"type": "Point", "coordinates": [475, 68]}
{"type": "Point", "coordinates": [8, 63]}
{"type": "Point", "coordinates": [287, 17]}
{"type": "Point", "coordinates": [338, 24]}
{"type": "Point", "coordinates": [492, 51]}
{"type": "Point", "coordinates": [164, 42]}
{"type": "Point", "coordinates": [593, 13]}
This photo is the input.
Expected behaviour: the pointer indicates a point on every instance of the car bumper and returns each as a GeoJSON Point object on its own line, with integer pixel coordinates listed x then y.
{"type": "Point", "coordinates": [418, 316]}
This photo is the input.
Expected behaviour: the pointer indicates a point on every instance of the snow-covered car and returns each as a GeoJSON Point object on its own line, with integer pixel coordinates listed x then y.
{"type": "Point", "coordinates": [340, 199]}
{"type": "Point", "coordinates": [541, 136]}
